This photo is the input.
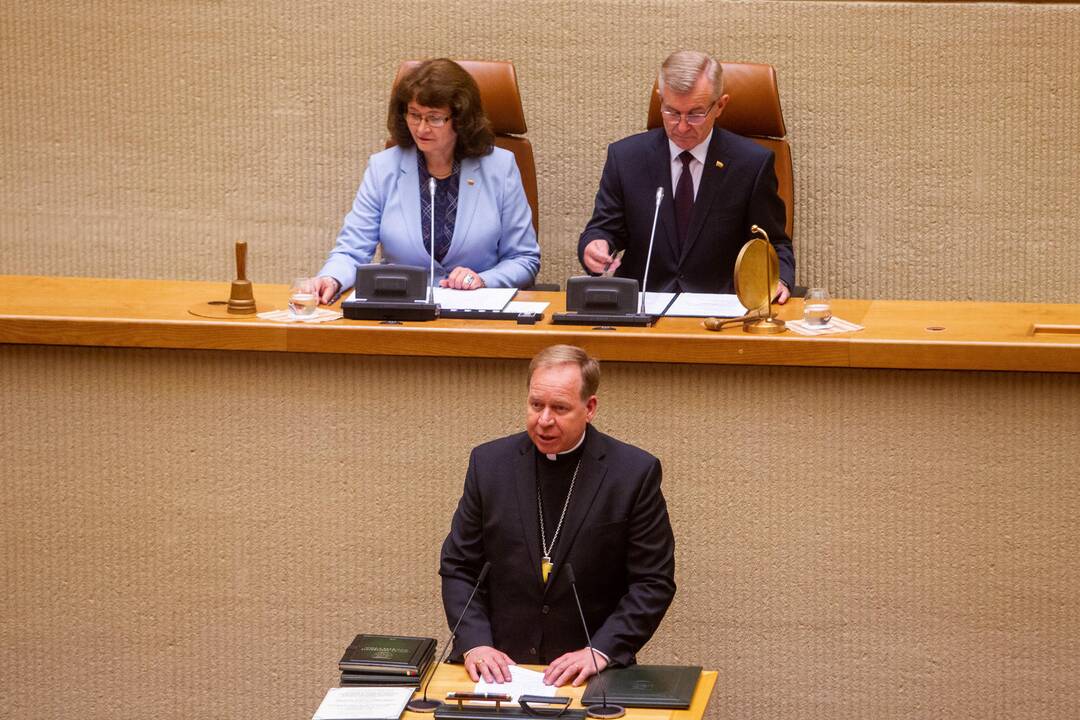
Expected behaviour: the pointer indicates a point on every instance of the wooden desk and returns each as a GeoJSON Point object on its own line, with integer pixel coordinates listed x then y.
{"type": "Point", "coordinates": [897, 334]}
{"type": "Point", "coordinates": [453, 677]}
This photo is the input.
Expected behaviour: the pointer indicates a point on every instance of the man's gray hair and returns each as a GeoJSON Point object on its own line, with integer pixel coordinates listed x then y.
{"type": "Point", "coordinates": [569, 355]}
{"type": "Point", "coordinates": [682, 69]}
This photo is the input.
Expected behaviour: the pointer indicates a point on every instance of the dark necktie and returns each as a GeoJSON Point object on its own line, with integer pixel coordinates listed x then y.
{"type": "Point", "coordinates": [684, 199]}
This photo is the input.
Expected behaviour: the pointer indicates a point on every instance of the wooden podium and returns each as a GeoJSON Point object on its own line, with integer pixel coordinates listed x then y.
{"type": "Point", "coordinates": [449, 678]}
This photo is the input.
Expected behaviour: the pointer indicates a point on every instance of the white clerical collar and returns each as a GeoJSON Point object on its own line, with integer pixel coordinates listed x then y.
{"type": "Point", "coordinates": [699, 151]}
{"type": "Point", "coordinates": [552, 456]}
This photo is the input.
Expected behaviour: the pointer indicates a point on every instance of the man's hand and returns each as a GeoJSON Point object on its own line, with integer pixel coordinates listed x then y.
{"type": "Point", "coordinates": [598, 257]}
{"type": "Point", "coordinates": [462, 278]}
{"type": "Point", "coordinates": [574, 666]}
{"type": "Point", "coordinates": [489, 663]}
{"type": "Point", "coordinates": [782, 293]}
{"type": "Point", "coordinates": [326, 288]}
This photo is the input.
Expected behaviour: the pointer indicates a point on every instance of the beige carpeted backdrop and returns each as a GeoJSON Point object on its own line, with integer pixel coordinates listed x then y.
{"type": "Point", "coordinates": [193, 535]}
{"type": "Point", "coordinates": [199, 534]}
{"type": "Point", "coordinates": [935, 146]}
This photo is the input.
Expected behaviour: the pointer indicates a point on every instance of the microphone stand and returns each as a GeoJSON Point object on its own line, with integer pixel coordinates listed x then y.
{"type": "Point", "coordinates": [431, 276]}
{"type": "Point", "coordinates": [602, 711]}
{"type": "Point", "coordinates": [648, 257]}
{"type": "Point", "coordinates": [424, 705]}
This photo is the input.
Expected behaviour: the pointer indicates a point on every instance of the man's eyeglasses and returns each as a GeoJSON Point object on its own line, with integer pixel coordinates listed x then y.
{"type": "Point", "coordinates": [433, 120]}
{"type": "Point", "coordinates": [691, 118]}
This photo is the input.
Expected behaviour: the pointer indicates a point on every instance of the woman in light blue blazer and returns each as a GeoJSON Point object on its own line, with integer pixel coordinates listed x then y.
{"type": "Point", "coordinates": [483, 228]}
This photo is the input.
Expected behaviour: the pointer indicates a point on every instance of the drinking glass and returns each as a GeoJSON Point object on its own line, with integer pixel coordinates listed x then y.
{"type": "Point", "coordinates": [816, 310]}
{"type": "Point", "coordinates": [303, 301]}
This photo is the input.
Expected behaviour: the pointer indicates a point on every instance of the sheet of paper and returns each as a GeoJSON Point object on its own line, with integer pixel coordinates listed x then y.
{"type": "Point", "coordinates": [352, 296]}
{"type": "Point", "coordinates": [482, 299]}
{"type": "Point", "coordinates": [363, 703]}
{"type": "Point", "coordinates": [522, 682]}
{"type": "Point", "coordinates": [521, 306]}
{"type": "Point", "coordinates": [706, 305]}
{"type": "Point", "coordinates": [655, 302]}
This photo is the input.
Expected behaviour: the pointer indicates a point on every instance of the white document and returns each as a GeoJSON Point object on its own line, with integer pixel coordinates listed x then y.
{"type": "Point", "coordinates": [482, 299]}
{"type": "Point", "coordinates": [363, 703]}
{"type": "Point", "coordinates": [522, 682]}
{"type": "Point", "coordinates": [655, 302]}
{"type": "Point", "coordinates": [706, 305]}
{"type": "Point", "coordinates": [521, 306]}
{"type": "Point", "coordinates": [352, 297]}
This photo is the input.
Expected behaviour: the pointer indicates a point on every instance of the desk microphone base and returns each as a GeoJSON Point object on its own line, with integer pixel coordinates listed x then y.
{"type": "Point", "coordinates": [423, 706]}
{"type": "Point", "coordinates": [357, 310]}
{"type": "Point", "coordinates": [624, 320]}
{"type": "Point", "coordinates": [605, 712]}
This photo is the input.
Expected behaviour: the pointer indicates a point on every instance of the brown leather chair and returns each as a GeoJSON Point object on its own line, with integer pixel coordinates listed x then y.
{"type": "Point", "coordinates": [501, 98]}
{"type": "Point", "coordinates": [754, 112]}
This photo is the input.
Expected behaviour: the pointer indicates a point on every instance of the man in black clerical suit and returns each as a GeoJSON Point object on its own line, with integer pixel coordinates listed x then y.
{"type": "Point", "coordinates": [716, 186]}
{"type": "Point", "coordinates": [561, 492]}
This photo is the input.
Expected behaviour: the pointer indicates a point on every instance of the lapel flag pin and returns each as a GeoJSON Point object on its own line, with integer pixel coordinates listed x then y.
{"type": "Point", "coordinates": [719, 164]}
{"type": "Point", "coordinates": [470, 181]}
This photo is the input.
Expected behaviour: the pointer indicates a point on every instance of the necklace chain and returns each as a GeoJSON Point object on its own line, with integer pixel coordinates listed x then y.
{"type": "Point", "coordinates": [540, 506]}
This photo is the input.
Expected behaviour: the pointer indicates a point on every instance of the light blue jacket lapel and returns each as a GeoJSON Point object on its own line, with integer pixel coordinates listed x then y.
{"type": "Point", "coordinates": [408, 192]}
{"type": "Point", "coordinates": [469, 190]}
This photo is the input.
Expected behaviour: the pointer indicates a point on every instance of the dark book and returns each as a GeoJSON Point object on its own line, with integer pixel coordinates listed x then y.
{"type": "Point", "coordinates": [387, 654]}
{"type": "Point", "coordinates": [351, 678]}
{"type": "Point", "coordinates": [645, 686]}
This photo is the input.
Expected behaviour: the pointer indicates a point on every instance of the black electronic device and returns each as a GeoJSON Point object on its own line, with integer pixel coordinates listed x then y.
{"type": "Point", "coordinates": [602, 301]}
{"type": "Point", "coordinates": [391, 292]}
{"type": "Point", "coordinates": [526, 318]}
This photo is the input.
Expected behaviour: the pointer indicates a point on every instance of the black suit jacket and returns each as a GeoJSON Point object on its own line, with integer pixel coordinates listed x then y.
{"type": "Point", "coordinates": [729, 200]}
{"type": "Point", "coordinates": [616, 534]}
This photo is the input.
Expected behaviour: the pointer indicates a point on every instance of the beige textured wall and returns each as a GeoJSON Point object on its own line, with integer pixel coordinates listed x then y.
{"type": "Point", "coordinates": [914, 558]}
{"type": "Point", "coordinates": [198, 534]}
{"type": "Point", "coordinates": [936, 147]}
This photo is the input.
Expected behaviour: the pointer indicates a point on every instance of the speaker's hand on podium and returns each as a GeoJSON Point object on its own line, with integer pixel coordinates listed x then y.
{"type": "Point", "coordinates": [487, 662]}
{"type": "Point", "coordinates": [574, 667]}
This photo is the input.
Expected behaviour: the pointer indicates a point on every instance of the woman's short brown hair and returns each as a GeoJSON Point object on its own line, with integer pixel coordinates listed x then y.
{"type": "Point", "coordinates": [442, 83]}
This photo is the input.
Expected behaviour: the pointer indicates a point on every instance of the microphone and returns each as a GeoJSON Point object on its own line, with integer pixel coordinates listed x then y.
{"type": "Point", "coordinates": [652, 236]}
{"type": "Point", "coordinates": [603, 711]}
{"type": "Point", "coordinates": [425, 705]}
{"type": "Point", "coordinates": [431, 277]}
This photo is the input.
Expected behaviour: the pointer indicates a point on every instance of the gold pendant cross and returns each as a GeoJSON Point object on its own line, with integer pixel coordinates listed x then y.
{"type": "Point", "coordinates": [545, 567]}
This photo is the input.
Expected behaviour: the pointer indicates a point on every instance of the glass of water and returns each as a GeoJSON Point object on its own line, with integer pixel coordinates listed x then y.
{"type": "Point", "coordinates": [303, 300]}
{"type": "Point", "coordinates": [816, 310]}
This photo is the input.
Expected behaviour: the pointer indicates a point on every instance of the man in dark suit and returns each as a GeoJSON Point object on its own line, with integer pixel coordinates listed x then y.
{"type": "Point", "coordinates": [560, 493]}
{"type": "Point", "coordinates": [723, 183]}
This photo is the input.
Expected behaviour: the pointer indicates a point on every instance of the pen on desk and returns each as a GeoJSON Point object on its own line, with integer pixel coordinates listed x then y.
{"type": "Point", "coordinates": [477, 696]}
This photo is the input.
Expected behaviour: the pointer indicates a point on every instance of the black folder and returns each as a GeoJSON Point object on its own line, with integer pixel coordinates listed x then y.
{"type": "Point", "coordinates": [645, 686]}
